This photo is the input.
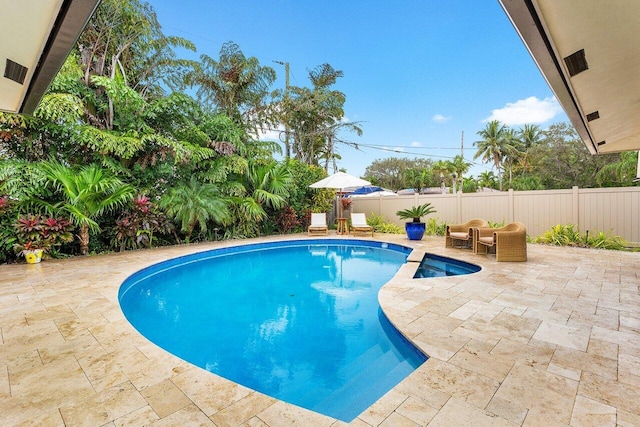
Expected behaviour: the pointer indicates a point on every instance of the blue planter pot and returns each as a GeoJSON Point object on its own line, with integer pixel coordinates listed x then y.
{"type": "Point", "coordinates": [415, 230]}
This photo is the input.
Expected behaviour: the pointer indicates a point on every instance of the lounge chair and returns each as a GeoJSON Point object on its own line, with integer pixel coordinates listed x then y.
{"type": "Point", "coordinates": [463, 232]}
{"type": "Point", "coordinates": [510, 241]}
{"type": "Point", "coordinates": [318, 224]}
{"type": "Point", "coordinates": [359, 224]}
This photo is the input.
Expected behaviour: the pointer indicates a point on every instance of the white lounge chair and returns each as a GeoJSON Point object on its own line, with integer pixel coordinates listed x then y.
{"type": "Point", "coordinates": [318, 224]}
{"type": "Point", "coordinates": [359, 224]}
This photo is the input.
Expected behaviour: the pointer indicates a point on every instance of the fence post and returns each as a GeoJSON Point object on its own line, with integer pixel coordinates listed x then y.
{"type": "Point", "coordinates": [575, 208]}
{"type": "Point", "coordinates": [459, 207]}
{"type": "Point", "coordinates": [511, 206]}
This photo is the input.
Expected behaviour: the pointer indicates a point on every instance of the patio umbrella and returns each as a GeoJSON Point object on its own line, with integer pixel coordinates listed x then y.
{"type": "Point", "coordinates": [367, 189]}
{"type": "Point", "coordinates": [340, 180]}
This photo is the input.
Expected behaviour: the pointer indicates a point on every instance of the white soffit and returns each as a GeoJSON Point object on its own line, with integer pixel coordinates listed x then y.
{"type": "Point", "coordinates": [602, 101]}
{"type": "Point", "coordinates": [37, 35]}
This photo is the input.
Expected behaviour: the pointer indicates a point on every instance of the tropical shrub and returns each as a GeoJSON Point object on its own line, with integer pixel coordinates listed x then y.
{"type": "Point", "coordinates": [561, 235]}
{"type": "Point", "coordinates": [39, 232]}
{"type": "Point", "coordinates": [137, 227]}
{"type": "Point", "coordinates": [380, 224]}
{"type": "Point", "coordinates": [567, 235]}
{"type": "Point", "coordinates": [435, 228]}
{"type": "Point", "coordinates": [604, 240]}
{"type": "Point", "coordinates": [286, 219]}
{"type": "Point", "coordinates": [7, 231]}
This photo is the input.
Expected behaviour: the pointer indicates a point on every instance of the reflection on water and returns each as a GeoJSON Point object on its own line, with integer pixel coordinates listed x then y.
{"type": "Point", "coordinates": [286, 322]}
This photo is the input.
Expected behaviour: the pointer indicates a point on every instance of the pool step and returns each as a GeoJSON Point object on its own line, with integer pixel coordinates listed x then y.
{"type": "Point", "coordinates": [355, 395]}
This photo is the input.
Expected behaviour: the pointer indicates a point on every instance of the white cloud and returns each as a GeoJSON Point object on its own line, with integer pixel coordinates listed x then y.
{"type": "Point", "coordinates": [271, 134]}
{"type": "Point", "coordinates": [416, 144]}
{"type": "Point", "coordinates": [531, 110]}
{"type": "Point", "coordinates": [439, 118]}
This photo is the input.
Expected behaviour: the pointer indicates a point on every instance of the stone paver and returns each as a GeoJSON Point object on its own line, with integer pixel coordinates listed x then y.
{"type": "Point", "coordinates": [552, 341]}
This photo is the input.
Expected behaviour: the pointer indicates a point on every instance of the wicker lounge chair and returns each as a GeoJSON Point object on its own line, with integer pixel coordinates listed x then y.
{"type": "Point", "coordinates": [463, 232]}
{"type": "Point", "coordinates": [509, 241]}
{"type": "Point", "coordinates": [318, 224]}
{"type": "Point", "coordinates": [359, 224]}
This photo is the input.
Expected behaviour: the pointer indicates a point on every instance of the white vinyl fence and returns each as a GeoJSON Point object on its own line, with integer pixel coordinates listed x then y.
{"type": "Point", "coordinates": [612, 210]}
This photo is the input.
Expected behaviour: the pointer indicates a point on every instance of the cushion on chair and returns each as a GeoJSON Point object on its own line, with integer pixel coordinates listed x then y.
{"type": "Point", "coordinates": [459, 235]}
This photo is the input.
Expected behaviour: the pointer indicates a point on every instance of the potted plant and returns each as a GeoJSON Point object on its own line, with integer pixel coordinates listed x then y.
{"type": "Point", "coordinates": [37, 234]}
{"type": "Point", "coordinates": [415, 229]}
{"type": "Point", "coordinates": [32, 250]}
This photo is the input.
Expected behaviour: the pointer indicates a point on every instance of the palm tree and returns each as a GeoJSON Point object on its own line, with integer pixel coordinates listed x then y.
{"type": "Point", "coordinates": [235, 84]}
{"type": "Point", "coordinates": [459, 167]}
{"type": "Point", "coordinates": [487, 179]}
{"type": "Point", "coordinates": [266, 186]}
{"type": "Point", "coordinates": [89, 193]}
{"type": "Point", "coordinates": [194, 204]}
{"type": "Point", "coordinates": [492, 145]}
{"type": "Point", "coordinates": [620, 173]}
{"type": "Point", "coordinates": [444, 169]}
{"type": "Point", "coordinates": [530, 135]}
{"type": "Point", "coordinates": [512, 153]}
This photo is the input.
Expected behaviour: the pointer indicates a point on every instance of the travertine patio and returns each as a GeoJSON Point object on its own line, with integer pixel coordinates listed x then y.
{"type": "Point", "coordinates": [553, 341]}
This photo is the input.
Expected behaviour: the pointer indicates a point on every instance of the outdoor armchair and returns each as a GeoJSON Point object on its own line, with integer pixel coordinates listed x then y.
{"type": "Point", "coordinates": [463, 232]}
{"type": "Point", "coordinates": [510, 241]}
{"type": "Point", "coordinates": [318, 224]}
{"type": "Point", "coordinates": [359, 224]}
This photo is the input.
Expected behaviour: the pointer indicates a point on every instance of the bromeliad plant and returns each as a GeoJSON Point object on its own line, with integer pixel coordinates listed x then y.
{"type": "Point", "coordinates": [36, 232]}
{"type": "Point", "coordinates": [136, 227]}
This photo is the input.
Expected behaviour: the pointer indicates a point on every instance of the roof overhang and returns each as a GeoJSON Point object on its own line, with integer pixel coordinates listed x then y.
{"type": "Point", "coordinates": [589, 53]}
{"type": "Point", "coordinates": [36, 37]}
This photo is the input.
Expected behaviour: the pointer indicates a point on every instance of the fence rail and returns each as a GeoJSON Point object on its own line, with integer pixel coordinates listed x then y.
{"type": "Point", "coordinates": [614, 210]}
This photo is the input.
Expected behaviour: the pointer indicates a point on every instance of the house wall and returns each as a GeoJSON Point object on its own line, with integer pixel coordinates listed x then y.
{"type": "Point", "coordinates": [614, 210]}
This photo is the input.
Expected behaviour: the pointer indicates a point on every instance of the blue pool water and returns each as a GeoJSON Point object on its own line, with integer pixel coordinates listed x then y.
{"type": "Point", "coordinates": [439, 266]}
{"type": "Point", "coordinates": [299, 320]}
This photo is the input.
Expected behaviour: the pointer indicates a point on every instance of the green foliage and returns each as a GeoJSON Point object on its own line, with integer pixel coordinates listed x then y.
{"type": "Point", "coordinates": [85, 194]}
{"type": "Point", "coordinates": [302, 198]}
{"type": "Point", "coordinates": [194, 204]}
{"type": "Point", "coordinates": [567, 235]}
{"type": "Point", "coordinates": [39, 232]}
{"type": "Point", "coordinates": [435, 228]}
{"type": "Point", "coordinates": [60, 108]}
{"type": "Point", "coordinates": [139, 226]}
{"type": "Point", "coordinates": [286, 219]}
{"type": "Point", "coordinates": [7, 232]}
{"type": "Point", "coordinates": [397, 173]}
{"type": "Point", "coordinates": [380, 224]}
{"type": "Point", "coordinates": [561, 235]}
{"type": "Point", "coordinates": [604, 240]}
{"type": "Point", "coordinates": [416, 212]}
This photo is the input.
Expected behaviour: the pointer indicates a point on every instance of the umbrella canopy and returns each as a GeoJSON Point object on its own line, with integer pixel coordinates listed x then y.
{"type": "Point", "coordinates": [367, 189]}
{"type": "Point", "coordinates": [383, 193]}
{"type": "Point", "coordinates": [340, 180]}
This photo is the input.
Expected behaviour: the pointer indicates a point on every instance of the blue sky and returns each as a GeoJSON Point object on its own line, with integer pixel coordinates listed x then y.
{"type": "Point", "coordinates": [417, 73]}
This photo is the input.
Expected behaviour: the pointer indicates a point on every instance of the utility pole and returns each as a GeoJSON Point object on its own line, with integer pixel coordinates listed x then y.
{"type": "Point", "coordinates": [461, 155]}
{"type": "Point", "coordinates": [287, 146]}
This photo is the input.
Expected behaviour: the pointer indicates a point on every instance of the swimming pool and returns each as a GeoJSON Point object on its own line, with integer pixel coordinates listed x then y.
{"type": "Point", "coordinates": [296, 320]}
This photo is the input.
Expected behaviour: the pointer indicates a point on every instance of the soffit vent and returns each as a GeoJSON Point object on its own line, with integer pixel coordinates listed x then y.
{"type": "Point", "coordinates": [592, 116]}
{"type": "Point", "coordinates": [576, 62]}
{"type": "Point", "coordinates": [14, 71]}
{"type": "Point", "coordinates": [601, 143]}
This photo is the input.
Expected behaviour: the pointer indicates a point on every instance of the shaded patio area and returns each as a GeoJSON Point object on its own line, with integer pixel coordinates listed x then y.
{"type": "Point", "coordinates": [553, 341]}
